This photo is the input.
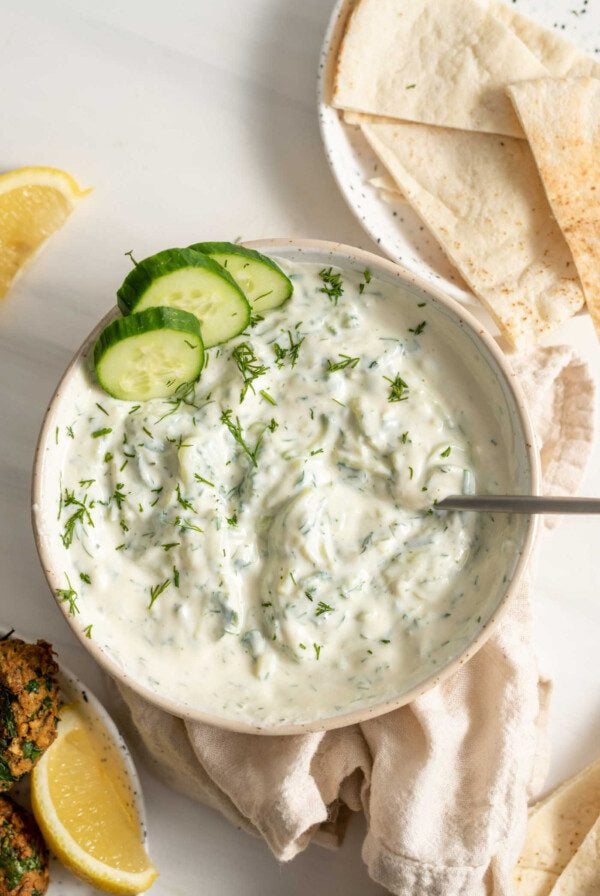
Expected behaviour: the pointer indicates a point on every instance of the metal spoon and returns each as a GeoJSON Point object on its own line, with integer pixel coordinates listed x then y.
{"type": "Point", "coordinates": [519, 504]}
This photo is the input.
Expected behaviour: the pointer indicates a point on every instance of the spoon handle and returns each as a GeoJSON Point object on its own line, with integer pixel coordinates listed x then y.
{"type": "Point", "coordinates": [519, 504]}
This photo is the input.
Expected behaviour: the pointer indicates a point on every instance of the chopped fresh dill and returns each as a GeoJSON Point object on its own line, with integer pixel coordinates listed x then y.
{"type": "Point", "coordinates": [410, 86]}
{"type": "Point", "coordinates": [290, 353]}
{"type": "Point", "coordinates": [104, 411]}
{"type": "Point", "coordinates": [322, 607]}
{"type": "Point", "coordinates": [235, 428]}
{"type": "Point", "coordinates": [56, 435]}
{"type": "Point", "coordinates": [156, 591]}
{"type": "Point", "coordinates": [421, 304]}
{"type": "Point", "coordinates": [88, 630]}
{"type": "Point", "coordinates": [333, 285]}
{"type": "Point", "coordinates": [185, 525]}
{"type": "Point", "coordinates": [248, 365]}
{"type": "Point", "coordinates": [317, 648]}
{"type": "Point", "coordinates": [365, 282]}
{"type": "Point", "coordinates": [267, 397]}
{"type": "Point", "coordinates": [101, 432]}
{"type": "Point", "coordinates": [346, 361]}
{"type": "Point", "coordinates": [85, 483]}
{"type": "Point", "coordinates": [176, 577]}
{"type": "Point", "coordinates": [68, 595]}
{"type": "Point", "coordinates": [184, 502]}
{"type": "Point", "coordinates": [184, 394]}
{"type": "Point", "coordinates": [200, 478]}
{"type": "Point", "coordinates": [418, 329]}
{"type": "Point", "coordinates": [384, 640]}
{"type": "Point", "coordinates": [70, 432]}
{"type": "Point", "coordinates": [272, 426]}
{"type": "Point", "coordinates": [232, 520]}
{"type": "Point", "coordinates": [129, 255]}
{"type": "Point", "coordinates": [398, 388]}
{"type": "Point", "coordinates": [318, 451]}
{"type": "Point", "coordinates": [171, 544]}
{"type": "Point", "coordinates": [85, 578]}
{"type": "Point", "coordinates": [81, 515]}
{"type": "Point", "coordinates": [411, 472]}
{"type": "Point", "coordinates": [404, 437]}
{"type": "Point", "coordinates": [135, 408]}
{"type": "Point", "coordinates": [108, 457]}
{"type": "Point", "coordinates": [255, 319]}
{"type": "Point", "coordinates": [446, 453]}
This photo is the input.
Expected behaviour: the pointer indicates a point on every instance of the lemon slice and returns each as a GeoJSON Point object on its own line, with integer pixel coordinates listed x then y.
{"type": "Point", "coordinates": [34, 202]}
{"type": "Point", "coordinates": [83, 805]}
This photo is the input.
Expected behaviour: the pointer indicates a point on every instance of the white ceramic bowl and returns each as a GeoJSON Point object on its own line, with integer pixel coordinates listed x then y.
{"type": "Point", "coordinates": [471, 338]}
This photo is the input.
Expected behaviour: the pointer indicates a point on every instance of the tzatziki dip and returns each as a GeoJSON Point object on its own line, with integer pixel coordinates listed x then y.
{"type": "Point", "coordinates": [264, 546]}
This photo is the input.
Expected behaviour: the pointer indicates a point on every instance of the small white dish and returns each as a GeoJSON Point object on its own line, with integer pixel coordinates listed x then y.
{"type": "Point", "coordinates": [73, 690]}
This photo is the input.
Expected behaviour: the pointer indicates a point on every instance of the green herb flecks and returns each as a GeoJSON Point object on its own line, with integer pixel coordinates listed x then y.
{"type": "Point", "coordinates": [156, 591]}
{"type": "Point", "coordinates": [267, 397]}
{"type": "Point", "coordinates": [232, 520]}
{"type": "Point", "coordinates": [171, 544]}
{"type": "Point", "coordinates": [235, 428]}
{"type": "Point", "coordinates": [104, 411]}
{"type": "Point", "coordinates": [88, 630]}
{"type": "Point", "coordinates": [176, 577]}
{"type": "Point", "coordinates": [183, 502]}
{"type": "Point", "coordinates": [398, 388]}
{"type": "Point", "coordinates": [446, 453]}
{"type": "Point", "coordinates": [317, 648]}
{"type": "Point", "coordinates": [365, 281]}
{"type": "Point", "coordinates": [30, 751]}
{"type": "Point", "coordinates": [98, 433]}
{"type": "Point", "coordinates": [322, 607]}
{"type": "Point", "coordinates": [290, 352]}
{"type": "Point", "coordinates": [32, 686]}
{"type": "Point", "coordinates": [68, 595]}
{"type": "Point", "coordinates": [248, 365]}
{"type": "Point", "coordinates": [80, 516]}
{"type": "Point", "coordinates": [13, 865]}
{"type": "Point", "coordinates": [85, 577]}
{"type": "Point", "coordinates": [346, 361]}
{"type": "Point", "coordinates": [333, 285]}
{"type": "Point", "coordinates": [418, 329]}
{"type": "Point", "coordinates": [201, 479]}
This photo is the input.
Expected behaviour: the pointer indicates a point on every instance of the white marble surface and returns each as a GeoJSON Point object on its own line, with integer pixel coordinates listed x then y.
{"type": "Point", "coordinates": [195, 120]}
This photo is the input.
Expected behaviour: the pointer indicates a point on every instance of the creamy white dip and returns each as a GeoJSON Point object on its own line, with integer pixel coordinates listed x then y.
{"type": "Point", "coordinates": [279, 558]}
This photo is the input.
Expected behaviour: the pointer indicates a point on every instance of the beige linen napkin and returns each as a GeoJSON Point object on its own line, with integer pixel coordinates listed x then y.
{"type": "Point", "coordinates": [443, 782]}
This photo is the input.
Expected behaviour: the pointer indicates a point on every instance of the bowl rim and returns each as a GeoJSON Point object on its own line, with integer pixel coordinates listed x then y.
{"type": "Point", "coordinates": [478, 332]}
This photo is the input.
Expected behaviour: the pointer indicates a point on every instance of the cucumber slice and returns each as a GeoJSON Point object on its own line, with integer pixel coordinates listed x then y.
{"type": "Point", "coordinates": [149, 355]}
{"type": "Point", "coordinates": [262, 281]}
{"type": "Point", "coordinates": [183, 278]}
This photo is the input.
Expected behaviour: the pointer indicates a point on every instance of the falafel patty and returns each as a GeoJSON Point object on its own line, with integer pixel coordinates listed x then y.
{"type": "Point", "coordinates": [23, 853]}
{"type": "Point", "coordinates": [29, 706]}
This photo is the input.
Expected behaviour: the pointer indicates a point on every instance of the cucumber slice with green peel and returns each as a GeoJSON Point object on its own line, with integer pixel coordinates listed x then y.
{"type": "Point", "coordinates": [149, 355]}
{"type": "Point", "coordinates": [262, 281]}
{"type": "Point", "coordinates": [186, 279]}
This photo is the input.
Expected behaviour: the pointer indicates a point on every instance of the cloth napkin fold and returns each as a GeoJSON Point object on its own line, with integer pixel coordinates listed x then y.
{"type": "Point", "coordinates": [444, 782]}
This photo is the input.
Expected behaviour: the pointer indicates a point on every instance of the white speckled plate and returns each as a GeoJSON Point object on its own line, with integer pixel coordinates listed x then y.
{"type": "Point", "coordinates": [73, 690]}
{"type": "Point", "coordinates": [393, 225]}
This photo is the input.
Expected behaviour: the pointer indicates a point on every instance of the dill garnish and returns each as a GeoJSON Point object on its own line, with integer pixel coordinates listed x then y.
{"type": "Point", "coordinates": [68, 595]}
{"type": "Point", "coordinates": [322, 607]}
{"type": "Point", "coordinates": [248, 365]}
{"type": "Point", "coordinates": [317, 648]}
{"type": "Point", "coordinates": [346, 361]}
{"type": "Point", "coordinates": [232, 520]}
{"type": "Point", "coordinates": [332, 284]}
{"type": "Point", "coordinates": [88, 630]}
{"type": "Point", "coordinates": [267, 397]}
{"type": "Point", "coordinates": [200, 478]}
{"type": "Point", "coordinates": [365, 282]}
{"type": "Point", "coordinates": [104, 411]}
{"type": "Point", "coordinates": [101, 432]}
{"type": "Point", "coordinates": [169, 545]}
{"type": "Point", "coordinates": [81, 515]}
{"type": "Point", "coordinates": [235, 428]}
{"type": "Point", "coordinates": [446, 453]}
{"type": "Point", "coordinates": [418, 329]}
{"type": "Point", "coordinates": [398, 388]}
{"type": "Point", "coordinates": [85, 578]}
{"type": "Point", "coordinates": [176, 577]}
{"type": "Point", "coordinates": [156, 591]}
{"type": "Point", "coordinates": [291, 352]}
{"type": "Point", "coordinates": [184, 502]}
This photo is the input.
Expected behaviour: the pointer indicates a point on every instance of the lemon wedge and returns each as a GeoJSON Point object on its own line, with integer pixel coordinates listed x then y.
{"type": "Point", "coordinates": [83, 804]}
{"type": "Point", "coordinates": [34, 202]}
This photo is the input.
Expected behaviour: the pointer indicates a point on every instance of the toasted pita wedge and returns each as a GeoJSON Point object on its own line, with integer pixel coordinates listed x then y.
{"type": "Point", "coordinates": [561, 57]}
{"type": "Point", "coordinates": [562, 121]}
{"type": "Point", "coordinates": [443, 63]}
{"type": "Point", "coordinates": [558, 826]}
{"type": "Point", "coordinates": [482, 197]}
